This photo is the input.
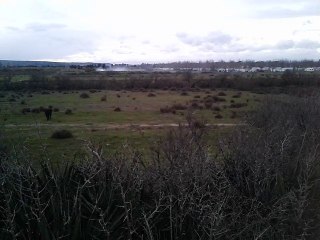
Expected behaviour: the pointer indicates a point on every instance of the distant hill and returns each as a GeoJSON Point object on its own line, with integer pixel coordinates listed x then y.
{"type": "Point", "coordinates": [9, 63]}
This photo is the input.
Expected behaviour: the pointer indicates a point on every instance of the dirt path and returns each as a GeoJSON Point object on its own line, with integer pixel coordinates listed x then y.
{"type": "Point", "coordinates": [115, 126]}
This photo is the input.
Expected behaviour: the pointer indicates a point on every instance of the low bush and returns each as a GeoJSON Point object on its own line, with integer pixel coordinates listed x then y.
{"type": "Point", "coordinates": [103, 98]}
{"type": "Point", "coordinates": [68, 111]}
{"type": "Point", "coordinates": [84, 95]}
{"type": "Point", "coordinates": [61, 134]}
{"type": "Point", "coordinates": [238, 105]}
{"type": "Point", "coordinates": [221, 94]}
{"type": "Point", "coordinates": [117, 109]}
{"type": "Point", "coordinates": [151, 95]}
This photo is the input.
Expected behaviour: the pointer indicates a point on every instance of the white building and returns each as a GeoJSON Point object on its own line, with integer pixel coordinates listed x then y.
{"type": "Point", "coordinates": [309, 69]}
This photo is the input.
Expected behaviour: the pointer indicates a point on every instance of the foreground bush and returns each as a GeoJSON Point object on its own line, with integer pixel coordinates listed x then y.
{"type": "Point", "coordinates": [264, 185]}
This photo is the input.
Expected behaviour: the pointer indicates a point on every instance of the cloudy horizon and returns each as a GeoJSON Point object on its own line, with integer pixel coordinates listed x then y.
{"type": "Point", "coordinates": [159, 31]}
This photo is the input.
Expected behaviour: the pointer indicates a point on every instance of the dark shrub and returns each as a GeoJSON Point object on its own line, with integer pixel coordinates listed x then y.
{"type": "Point", "coordinates": [233, 114]}
{"type": "Point", "coordinates": [84, 95]}
{"type": "Point", "coordinates": [194, 105]}
{"type": "Point", "coordinates": [103, 98]}
{"type": "Point", "coordinates": [25, 110]}
{"type": "Point", "coordinates": [168, 110]}
{"type": "Point", "coordinates": [68, 111]}
{"type": "Point", "coordinates": [216, 108]}
{"type": "Point", "coordinates": [35, 110]}
{"type": "Point", "coordinates": [236, 96]}
{"type": "Point", "coordinates": [12, 100]}
{"type": "Point", "coordinates": [23, 102]}
{"type": "Point", "coordinates": [184, 94]}
{"type": "Point", "coordinates": [61, 134]}
{"type": "Point", "coordinates": [222, 94]}
{"type": "Point", "coordinates": [218, 99]}
{"type": "Point", "coordinates": [118, 96]}
{"type": "Point", "coordinates": [196, 96]}
{"type": "Point", "coordinates": [151, 95]}
{"type": "Point", "coordinates": [92, 90]}
{"type": "Point", "coordinates": [117, 109]}
{"type": "Point", "coordinates": [218, 116]}
{"type": "Point", "coordinates": [208, 104]}
{"type": "Point", "coordinates": [178, 106]}
{"type": "Point", "coordinates": [238, 105]}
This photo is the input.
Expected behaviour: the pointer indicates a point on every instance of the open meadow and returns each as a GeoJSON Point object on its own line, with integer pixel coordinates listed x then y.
{"type": "Point", "coordinates": [115, 117]}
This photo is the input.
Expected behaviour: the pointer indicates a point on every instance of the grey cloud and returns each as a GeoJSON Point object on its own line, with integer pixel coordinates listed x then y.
{"type": "Point", "coordinates": [285, 44]}
{"type": "Point", "coordinates": [56, 41]}
{"type": "Point", "coordinates": [307, 44]}
{"type": "Point", "coordinates": [235, 46]}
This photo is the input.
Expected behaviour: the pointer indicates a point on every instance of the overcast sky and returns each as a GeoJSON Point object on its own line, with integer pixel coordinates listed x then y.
{"type": "Point", "coordinates": [159, 30]}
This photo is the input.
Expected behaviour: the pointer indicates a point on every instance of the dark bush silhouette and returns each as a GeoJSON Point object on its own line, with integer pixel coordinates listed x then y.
{"type": "Point", "coordinates": [151, 95]}
{"type": "Point", "coordinates": [61, 134]}
{"type": "Point", "coordinates": [68, 111]}
{"type": "Point", "coordinates": [103, 98]}
{"type": "Point", "coordinates": [84, 95]}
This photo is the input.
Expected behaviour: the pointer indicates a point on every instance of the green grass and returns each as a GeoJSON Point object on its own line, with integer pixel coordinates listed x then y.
{"type": "Point", "coordinates": [91, 118]}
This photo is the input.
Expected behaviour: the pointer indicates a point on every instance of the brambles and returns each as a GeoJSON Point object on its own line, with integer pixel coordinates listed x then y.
{"type": "Point", "coordinates": [62, 134]}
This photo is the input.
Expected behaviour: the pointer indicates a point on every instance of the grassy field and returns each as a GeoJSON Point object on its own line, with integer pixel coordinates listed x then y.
{"type": "Point", "coordinates": [95, 120]}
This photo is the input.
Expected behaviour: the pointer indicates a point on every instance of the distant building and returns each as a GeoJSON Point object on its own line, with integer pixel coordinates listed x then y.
{"type": "Point", "coordinates": [309, 69]}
